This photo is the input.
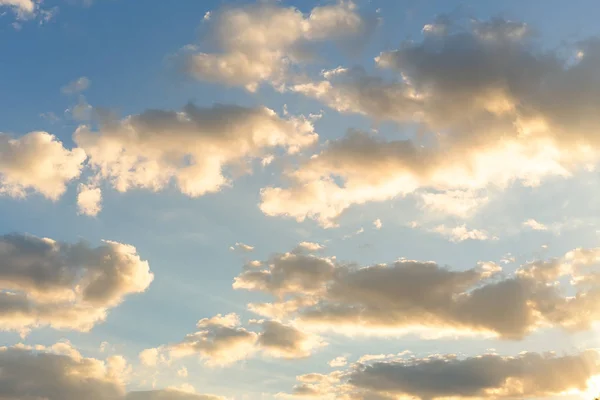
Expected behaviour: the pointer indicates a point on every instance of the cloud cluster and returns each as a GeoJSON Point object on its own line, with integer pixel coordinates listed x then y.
{"type": "Point", "coordinates": [60, 372]}
{"type": "Point", "coordinates": [528, 375]}
{"type": "Point", "coordinates": [479, 97]}
{"type": "Point", "coordinates": [194, 147]}
{"type": "Point", "coordinates": [260, 42]}
{"type": "Point", "coordinates": [66, 286]}
{"type": "Point", "coordinates": [221, 340]}
{"type": "Point", "coordinates": [424, 297]}
{"type": "Point", "coordinates": [37, 162]}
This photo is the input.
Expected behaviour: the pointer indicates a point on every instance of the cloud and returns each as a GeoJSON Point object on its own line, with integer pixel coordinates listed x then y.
{"type": "Point", "coordinates": [37, 162]}
{"type": "Point", "coordinates": [65, 286]}
{"type": "Point", "coordinates": [461, 233]}
{"type": "Point", "coordinates": [338, 362]}
{"type": "Point", "coordinates": [536, 226]}
{"type": "Point", "coordinates": [459, 203]}
{"type": "Point", "coordinates": [194, 147]}
{"type": "Point", "coordinates": [527, 375]}
{"type": "Point", "coordinates": [89, 200]}
{"type": "Point", "coordinates": [478, 96]}
{"type": "Point", "coordinates": [221, 340]}
{"type": "Point", "coordinates": [60, 372]}
{"type": "Point", "coordinates": [377, 224]}
{"type": "Point", "coordinates": [77, 86]}
{"type": "Point", "coordinates": [261, 42]}
{"type": "Point", "coordinates": [24, 9]}
{"type": "Point", "coordinates": [421, 297]}
{"type": "Point", "coordinates": [242, 247]}
{"type": "Point", "coordinates": [284, 341]}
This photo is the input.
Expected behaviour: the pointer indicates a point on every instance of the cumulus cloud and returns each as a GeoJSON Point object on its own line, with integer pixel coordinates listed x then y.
{"type": "Point", "coordinates": [285, 341]}
{"type": "Point", "coordinates": [37, 162]}
{"type": "Point", "coordinates": [377, 223]}
{"type": "Point", "coordinates": [89, 200]}
{"type": "Point", "coordinates": [479, 96]}
{"type": "Point", "coordinates": [60, 372]}
{"type": "Point", "coordinates": [222, 340]}
{"type": "Point", "coordinates": [193, 147]}
{"type": "Point", "coordinates": [66, 286]}
{"type": "Point", "coordinates": [77, 86]}
{"type": "Point", "coordinates": [260, 42]}
{"type": "Point", "coordinates": [406, 296]}
{"type": "Point", "coordinates": [528, 375]}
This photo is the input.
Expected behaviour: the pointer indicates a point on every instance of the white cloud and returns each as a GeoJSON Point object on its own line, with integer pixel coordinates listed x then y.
{"type": "Point", "coordinates": [377, 224]}
{"type": "Point", "coordinates": [23, 8]}
{"type": "Point", "coordinates": [242, 247]}
{"type": "Point", "coordinates": [536, 226]}
{"type": "Point", "coordinates": [192, 147]}
{"type": "Point", "coordinates": [461, 233]}
{"type": "Point", "coordinates": [260, 42]}
{"type": "Point", "coordinates": [37, 162]}
{"type": "Point", "coordinates": [77, 86]}
{"type": "Point", "coordinates": [89, 200]}
{"type": "Point", "coordinates": [460, 203]}
{"type": "Point", "coordinates": [65, 286]}
{"type": "Point", "coordinates": [338, 362]}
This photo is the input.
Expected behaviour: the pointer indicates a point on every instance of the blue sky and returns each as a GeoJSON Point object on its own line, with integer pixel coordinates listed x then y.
{"type": "Point", "coordinates": [131, 51]}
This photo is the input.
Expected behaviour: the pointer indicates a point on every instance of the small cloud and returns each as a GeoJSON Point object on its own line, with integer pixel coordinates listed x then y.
{"type": "Point", "coordinates": [50, 117]}
{"type": "Point", "coordinates": [338, 362]}
{"type": "Point", "coordinates": [242, 247]}
{"type": "Point", "coordinates": [89, 200]}
{"type": "Point", "coordinates": [536, 226]}
{"type": "Point", "coordinates": [461, 233]}
{"type": "Point", "coordinates": [77, 86]}
{"type": "Point", "coordinates": [310, 246]}
{"type": "Point", "coordinates": [377, 224]}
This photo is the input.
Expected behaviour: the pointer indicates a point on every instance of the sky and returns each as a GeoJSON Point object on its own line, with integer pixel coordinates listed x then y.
{"type": "Point", "coordinates": [376, 200]}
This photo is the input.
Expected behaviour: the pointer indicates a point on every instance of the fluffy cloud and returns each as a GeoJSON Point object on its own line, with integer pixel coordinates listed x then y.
{"type": "Point", "coordinates": [23, 8]}
{"type": "Point", "coordinates": [284, 341]}
{"type": "Point", "coordinates": [37, 162]}
{"type": "Point", "coordinates": [194, 147]}
{"type": "Point", "coordinates": [528, 375]}
{"type": "Point", "coordinates": [221, 340]}
{"type": "Point", "coordinates": [479, 97]}
{"type": "Point", "coordinates": [424, 297]}
{"type": "Point", "coordinates": [65, 286]}
{"type": "Point", "coordinates": [89, 200]}
{"type": "Point", "coordinates": [60, 372]}
{"type": "Point", "coordinates": [260, 42]}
